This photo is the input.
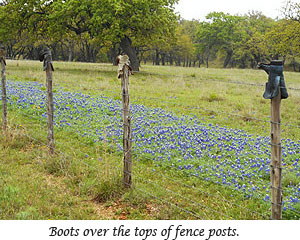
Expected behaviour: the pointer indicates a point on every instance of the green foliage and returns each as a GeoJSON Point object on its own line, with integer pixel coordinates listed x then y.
{"type": "Point", "coordinates": [254, 47]}
{"type": "Point", "coordinates": [214, 97]}
{"type": "Point", "coordinates": [93, 30]}
{"type": "Point", "coordinates": [221, 32]}
{"type": "Point", "coordinates": [89, 25]}
{"type": "Point", "coordinates": [284, 38]}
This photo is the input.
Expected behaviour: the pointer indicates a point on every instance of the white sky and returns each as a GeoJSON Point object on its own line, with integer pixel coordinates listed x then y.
{"type": "Point", "coordinates": [198, 9]}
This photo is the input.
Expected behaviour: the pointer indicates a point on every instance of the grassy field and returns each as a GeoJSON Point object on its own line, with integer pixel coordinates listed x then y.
{"type": "Point", "coordinates": [84, 178]}
{"type": "Point", "coordinates": [178, 89]}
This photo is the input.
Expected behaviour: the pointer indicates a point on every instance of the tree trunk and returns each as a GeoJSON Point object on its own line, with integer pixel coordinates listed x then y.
{"type": "Point", "coordinates": [228, 58]}
{"type": "Point", "coordinates": [252, 63]}
{"type": "Point", "coordinates": [157, 61]}
{"type": "Point", "coordinates": [88, 52]}
{"type": "Point", "coordinates": [71, 51]}
{"type": "Point", "coordinates": [200, 59]}
{"type": "Point", "coordinates": [243, 63]}
{"type": "Point", "coordinates": [62, 52]}
{"type": "Point", "coordinates": [294, 64]}
{"type": "Point", "coordinates": [142, 57]}
{"type": "Point", "coordinates": [112, 54]}
{"type": "Point", "coordinates": [171, 60]}
{"type": "Point", "coordinates": [207, 59]}
{"type": "Point", "coordinates": [82, 57]}
{"type": "Point", "coordinates": [54, 52]}
{"type": "Point", "coordinates": [163, 62]}
{"type": "Point", "coordinates": [125, 44]}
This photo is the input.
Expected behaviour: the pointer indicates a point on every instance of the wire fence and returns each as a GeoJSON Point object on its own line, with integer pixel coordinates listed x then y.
{"type": "Point", "coordinates": [171, 196]}
{"type": "Point", "coordinates": [229, 161]}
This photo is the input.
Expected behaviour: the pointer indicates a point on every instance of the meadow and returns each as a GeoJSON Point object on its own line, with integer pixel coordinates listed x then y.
{"type": "Point", "coordinates": [200, 144]}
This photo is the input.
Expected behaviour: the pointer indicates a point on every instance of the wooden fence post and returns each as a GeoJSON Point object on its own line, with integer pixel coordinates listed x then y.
{"type": "Point", "coordinates": [48, 67]}
{"type": "Point", "coordinates": [3, 83]}
{"type": "Point", "coordinates": [276, 165]}
{"type": "Point", "coordinates": [127, 128]}
{"type": "Point", "coordinates": [50, 109]}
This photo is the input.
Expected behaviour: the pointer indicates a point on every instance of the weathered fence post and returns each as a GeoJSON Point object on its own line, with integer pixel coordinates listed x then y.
{"type": "Point", "coordinates": [3, 83]}
{"type": "Point", "coordinates": [127, 127]}
{"type": "Point", "coordinates": [48, 67]}
{"type": "Point", "coordinates": [276, 166]}
{"type": "Point", "coordinates": [275, 90]}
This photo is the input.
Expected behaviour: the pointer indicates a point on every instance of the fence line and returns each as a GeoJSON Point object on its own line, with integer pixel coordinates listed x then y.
{"type": "Point", "coordinates": [183, 197]}
{"type": "Point", "coordinates": [93, 167]}
{"type": "Point", "coordinates": [65, 156]}
{"type": "Point", "coordinates": [229, 161]}
{"type": "Point", "coordinates": [152, 131]}
{"type": "Point", "coordinates": [168, 190]}
{"type": "Point", "coordinates": [222, 112]}
{"type": "Point", "coordinates": [96, 168]}
{"type": "Point", "coordinates": [59, 151]}
{"type": "Point", "coordinates": [217, 80]}
{"type": "Point", "coordinates": [194, 161]}
{"type": "Point", "coordinates": [187, 107]}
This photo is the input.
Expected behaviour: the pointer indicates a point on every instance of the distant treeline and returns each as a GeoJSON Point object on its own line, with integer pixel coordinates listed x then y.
{"type": "Point", "coordinates": [98, 30]}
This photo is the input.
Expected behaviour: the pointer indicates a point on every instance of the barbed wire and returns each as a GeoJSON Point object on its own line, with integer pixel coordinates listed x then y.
{"type": "Point", "coordinates": [82, 153]}
{"type": "Point", "coordinates": [142, 169]}
{"type": "Point", "coordinates": [62, 153]}
{"type": "Point", "coordinates": [93, 167]}
{"type": "Point", "coordinates": [90, 166]}
{"type": "Point", "coordinates": [223, 112]}
{"type": "Point", "coordinates": [247, 118]}
{"type": "Point", "coordinates": [206, 193]}
{"type": "Point", "coordinates": [183, 197]}
{"type": "Point", "coordinates": [215, 80]}
{"type": "Point", "coordinates": [120, 110]}
{"type": "Point", "coordinates": [229, 161]}
{"type": "Point", "coordinates": [134, 176]}
{"type": "Point", "coordinates": [188, 107]}
{"type": "Point", "coordinates": [57, 150]}
{"type": "Point", "coordinates": [169, 203]}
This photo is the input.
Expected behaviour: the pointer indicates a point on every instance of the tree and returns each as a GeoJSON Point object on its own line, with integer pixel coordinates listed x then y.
{"type": "Point", "coordinates": [291, 10]}
{"type": "Point", "coordinates": [23, 22]}
{"type": "Point", "coordinates": [254, 46]}
{"type": "Point", "coordinates": [190, 29]}
{"type": "Point", "coordinates": [284, 40]}
{"type": "Point", "coordinates": [92, 23]}
{"type": "Point", "coordinates": [219, 33]}
{"type": "Point", "coordinates": [133, 22]}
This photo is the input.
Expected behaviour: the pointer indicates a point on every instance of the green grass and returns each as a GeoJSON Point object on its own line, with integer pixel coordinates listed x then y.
{"type": "Point", "coordinates": [75, 184]}
{"type": "Point", "coordinates": [177, 88]}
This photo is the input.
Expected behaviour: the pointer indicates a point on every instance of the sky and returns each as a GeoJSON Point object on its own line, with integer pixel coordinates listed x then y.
{"type": "Point", "coordinates": [198, 9]}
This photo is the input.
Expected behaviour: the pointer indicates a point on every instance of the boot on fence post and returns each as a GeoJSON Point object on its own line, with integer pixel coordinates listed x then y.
{"type": "Point", "coordinates": [275, 90]}
{"type": "Point", "coordinates": [3, 83]}
{"type": "Point", "coordinates": [46, 57]}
